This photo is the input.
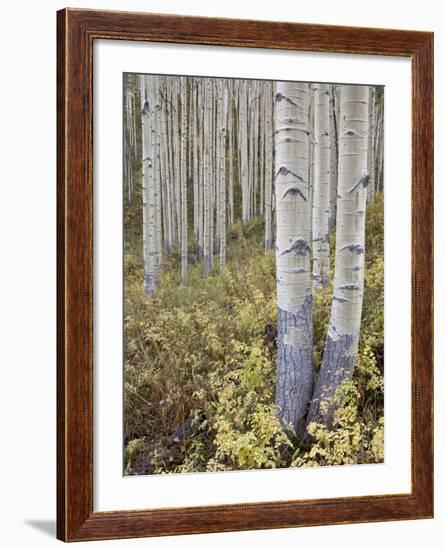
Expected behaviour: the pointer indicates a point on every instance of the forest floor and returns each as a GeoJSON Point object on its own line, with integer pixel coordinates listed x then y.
{"type": "Point", "coordinates": [200, 361]}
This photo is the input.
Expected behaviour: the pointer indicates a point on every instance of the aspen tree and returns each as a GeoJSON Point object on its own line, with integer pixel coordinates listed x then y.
{"type": "Point", "coordinates": [334, 156]}
{"type": "Point", "coordinates": [128, 173]}
{"type": "Point", "coordinates": [171, 160]}
{"type": "Point", "coordinates": [201, 170]}
{"type": "Point", "coordinates": [253, 147]}
{"type": "Point", "coordinates": [268, 166]}
{"type": "Point", "coordinates": [166, 167]}
{"type": "Point", "coordinates": [321, 181]}
{"type": "Point", "coordinates": [148, 185]}
{"type": "Point", "coordinates": [156, 136]}
{"type": "Point", "coordinates": [379, 145]}
{"type": "Point", "coordinates": [311, 151]}
{"type": "Point", "coordinates": [206, 176]}
{"type": "Point", "coordinates": [212, 172]}
{"type": "Point", "coordinates": [176, 153]}
{"type": "Point", "coordinates": [217, 170]}
{"type": "Point", "coordinates": [294, 363]}
{"type": "Point", "coordinates": [243, 149]}
{"type": "Point", "coordinates": [184, 126]}
{"type": "Point", "coordinates": [249, 142]}
{"type": "Point", "coordinates": [261, 148]}
{"type": "Point", "coordinates": [344, 327]}
{"type": "Point", "coordinates": [195, 141]}
{"type": "Point", "coordinates": [223, 200]}
{"type": "Point", "coordinates": [231, 129]}
{"type": "Point", "coordinates": [129, 136]}
{"type": "Point", "coordinates": [371, 150]}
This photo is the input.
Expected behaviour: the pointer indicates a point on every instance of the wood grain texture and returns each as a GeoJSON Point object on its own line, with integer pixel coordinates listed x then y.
{"type": "Point", "coordinates": [76, 31]}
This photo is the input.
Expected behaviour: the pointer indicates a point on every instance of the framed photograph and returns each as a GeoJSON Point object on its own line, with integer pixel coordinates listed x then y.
{"type": "Point", "coordinates": [245, 231]}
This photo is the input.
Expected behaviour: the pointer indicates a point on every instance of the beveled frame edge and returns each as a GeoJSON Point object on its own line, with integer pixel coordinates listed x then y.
{"type": "Point", "coordinates": [76, 31]}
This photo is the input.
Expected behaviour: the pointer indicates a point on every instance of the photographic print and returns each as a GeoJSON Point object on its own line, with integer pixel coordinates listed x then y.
{"type": "Point", "coordinates": [253, 274]}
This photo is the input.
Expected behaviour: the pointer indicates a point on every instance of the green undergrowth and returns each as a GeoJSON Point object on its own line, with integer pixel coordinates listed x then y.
{"type": "Point", "coordinates": [200, 359]}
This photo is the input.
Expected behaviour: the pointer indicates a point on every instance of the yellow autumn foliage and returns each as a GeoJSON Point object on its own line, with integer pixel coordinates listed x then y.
{"type": "Point", "coordinates": [200, 352]}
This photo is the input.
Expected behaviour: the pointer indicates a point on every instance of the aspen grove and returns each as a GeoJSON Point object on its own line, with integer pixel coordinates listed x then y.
{"type": "Point", "coordinates": [253, 273]}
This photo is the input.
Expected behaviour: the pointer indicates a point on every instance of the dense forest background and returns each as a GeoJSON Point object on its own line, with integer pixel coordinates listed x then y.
{"type": "Point", "coordinates": [200, 312]}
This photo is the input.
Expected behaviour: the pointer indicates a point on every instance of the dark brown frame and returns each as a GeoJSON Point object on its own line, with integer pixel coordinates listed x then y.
{"type": "Point", "coordinates": [76, 32]}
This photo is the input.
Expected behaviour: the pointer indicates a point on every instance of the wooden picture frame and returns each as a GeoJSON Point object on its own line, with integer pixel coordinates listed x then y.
{"type": "Point", "coordinates": [76, 32]}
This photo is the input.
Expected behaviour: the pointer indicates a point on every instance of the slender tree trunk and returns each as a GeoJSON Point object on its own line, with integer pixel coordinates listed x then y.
{"type": "Point", "coordinates": [333, 125]}
{"type": "Point", "coordinates": [172, 113]}
{"type": "Point", "coordinates": [223, 199]}
{"type": "Point", "coordinates": [157, 174]}
{"type": "Point", "coordinates": [344, 327]}
{"type": "Point", "coordinates": [243, 150]}
{"type": "Point", "coordinates": [212, 170]}
{"type": "Point", "coordinates": [261, 147]}
{"type": "Point", "coordinates": [250, 182]}
{"type": "Point", "coordinates": [379, 146]}
{"type": "Point", "coordinates": [311, 135]}
{"type": "Point", "coordinates": [194, 144]}
{"type": "Point", "coordinates": [184, 229]}
{"type": "Point", "coordinates": [268, 236]}
{"type": "Point", "coordinates": [166, 169]}
{"type": "Point", "coordinates": [148, 185]}
{"type": "Point", "coordinates": [165, 183]}
{"type": "Point", "coordinates": [176, 152]}
{"type": "Point", "coordinates": [371, 151]}
{"type": "Point", "coordinates": [230, 126]}
{"type": "Point", "coordinates": [217, 137]}
{"type": "Point", "coordinates": [207, 176]}
{"type": "Point", "coordinates": [129, 137]}
{"type": "Point", "coordinates": [200, 107]}
{"type": "Point", "coordinates": [295, 367]}
{"type": "Point", "coordinates": [322, 160]}
{"type": "Point", "coordinates": [133, 109]}
{"type": "Point", "coordinates": [255, 107]}
{"type": "Point", "coordinates": [380, 179]}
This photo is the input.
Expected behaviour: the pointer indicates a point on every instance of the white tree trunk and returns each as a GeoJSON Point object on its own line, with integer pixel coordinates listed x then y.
{"type": "Point", "coordinates": [223, 199]}
{"type": "Point", "coordinates": [295, 367]}
{"type": "Point", "coordinates": [371, 141]}
{"type": "Point", "coordinates": [379, 146]}
{"type": "Point", "coordinates": [311, 135]}
{"type": "Point", "coordinates": [322, 165]}
{"type": "Point", "coordinates": [166, 169]}
{"type": "Point", "coordinates": [243, 149]}
{"type": "Point", "coordinates": [201, 169]}
{"type": "Point", "coordinates": [148, 185]}
{"type": "Point", "coordinates": [261, 145]}
{"type": "Point", "coordinates": [157, 174]}
{"type": "Point", "coordinates": [334, 156]}
{"type": "Point", "coordinates": [129, 136]}
{"type": "Point", "coordinates": [255, 106]}
{"type": "Point", "coordinates": [176, 153]}
{"type": "Point", "coordinates": [194, 144]}
{"type": "Point", "coordinates": [217, 174]}
{"type": "Point", "coordinates": [344, 327]}
{"type": "Point", "coordinates": [212, 169]}
{"type": "Point", "coordinates": [231, 175]}
{"type": "Point", "coordinates": [184, 227]}
{"type": "Point", "coordinates": [268, 236]}
{"type": "Point", "coordinates": [207, 176]}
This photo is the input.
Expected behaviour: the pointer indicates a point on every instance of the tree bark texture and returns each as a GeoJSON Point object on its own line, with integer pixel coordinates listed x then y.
{"type": "Point", "coordinates": [322, 166]}
{"type": "Point", "coordinates": [148, 185]}
{"type": "Point", "coordinates": [344, 327]}
{"type": "Point", "coordinates": [293, 213]}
